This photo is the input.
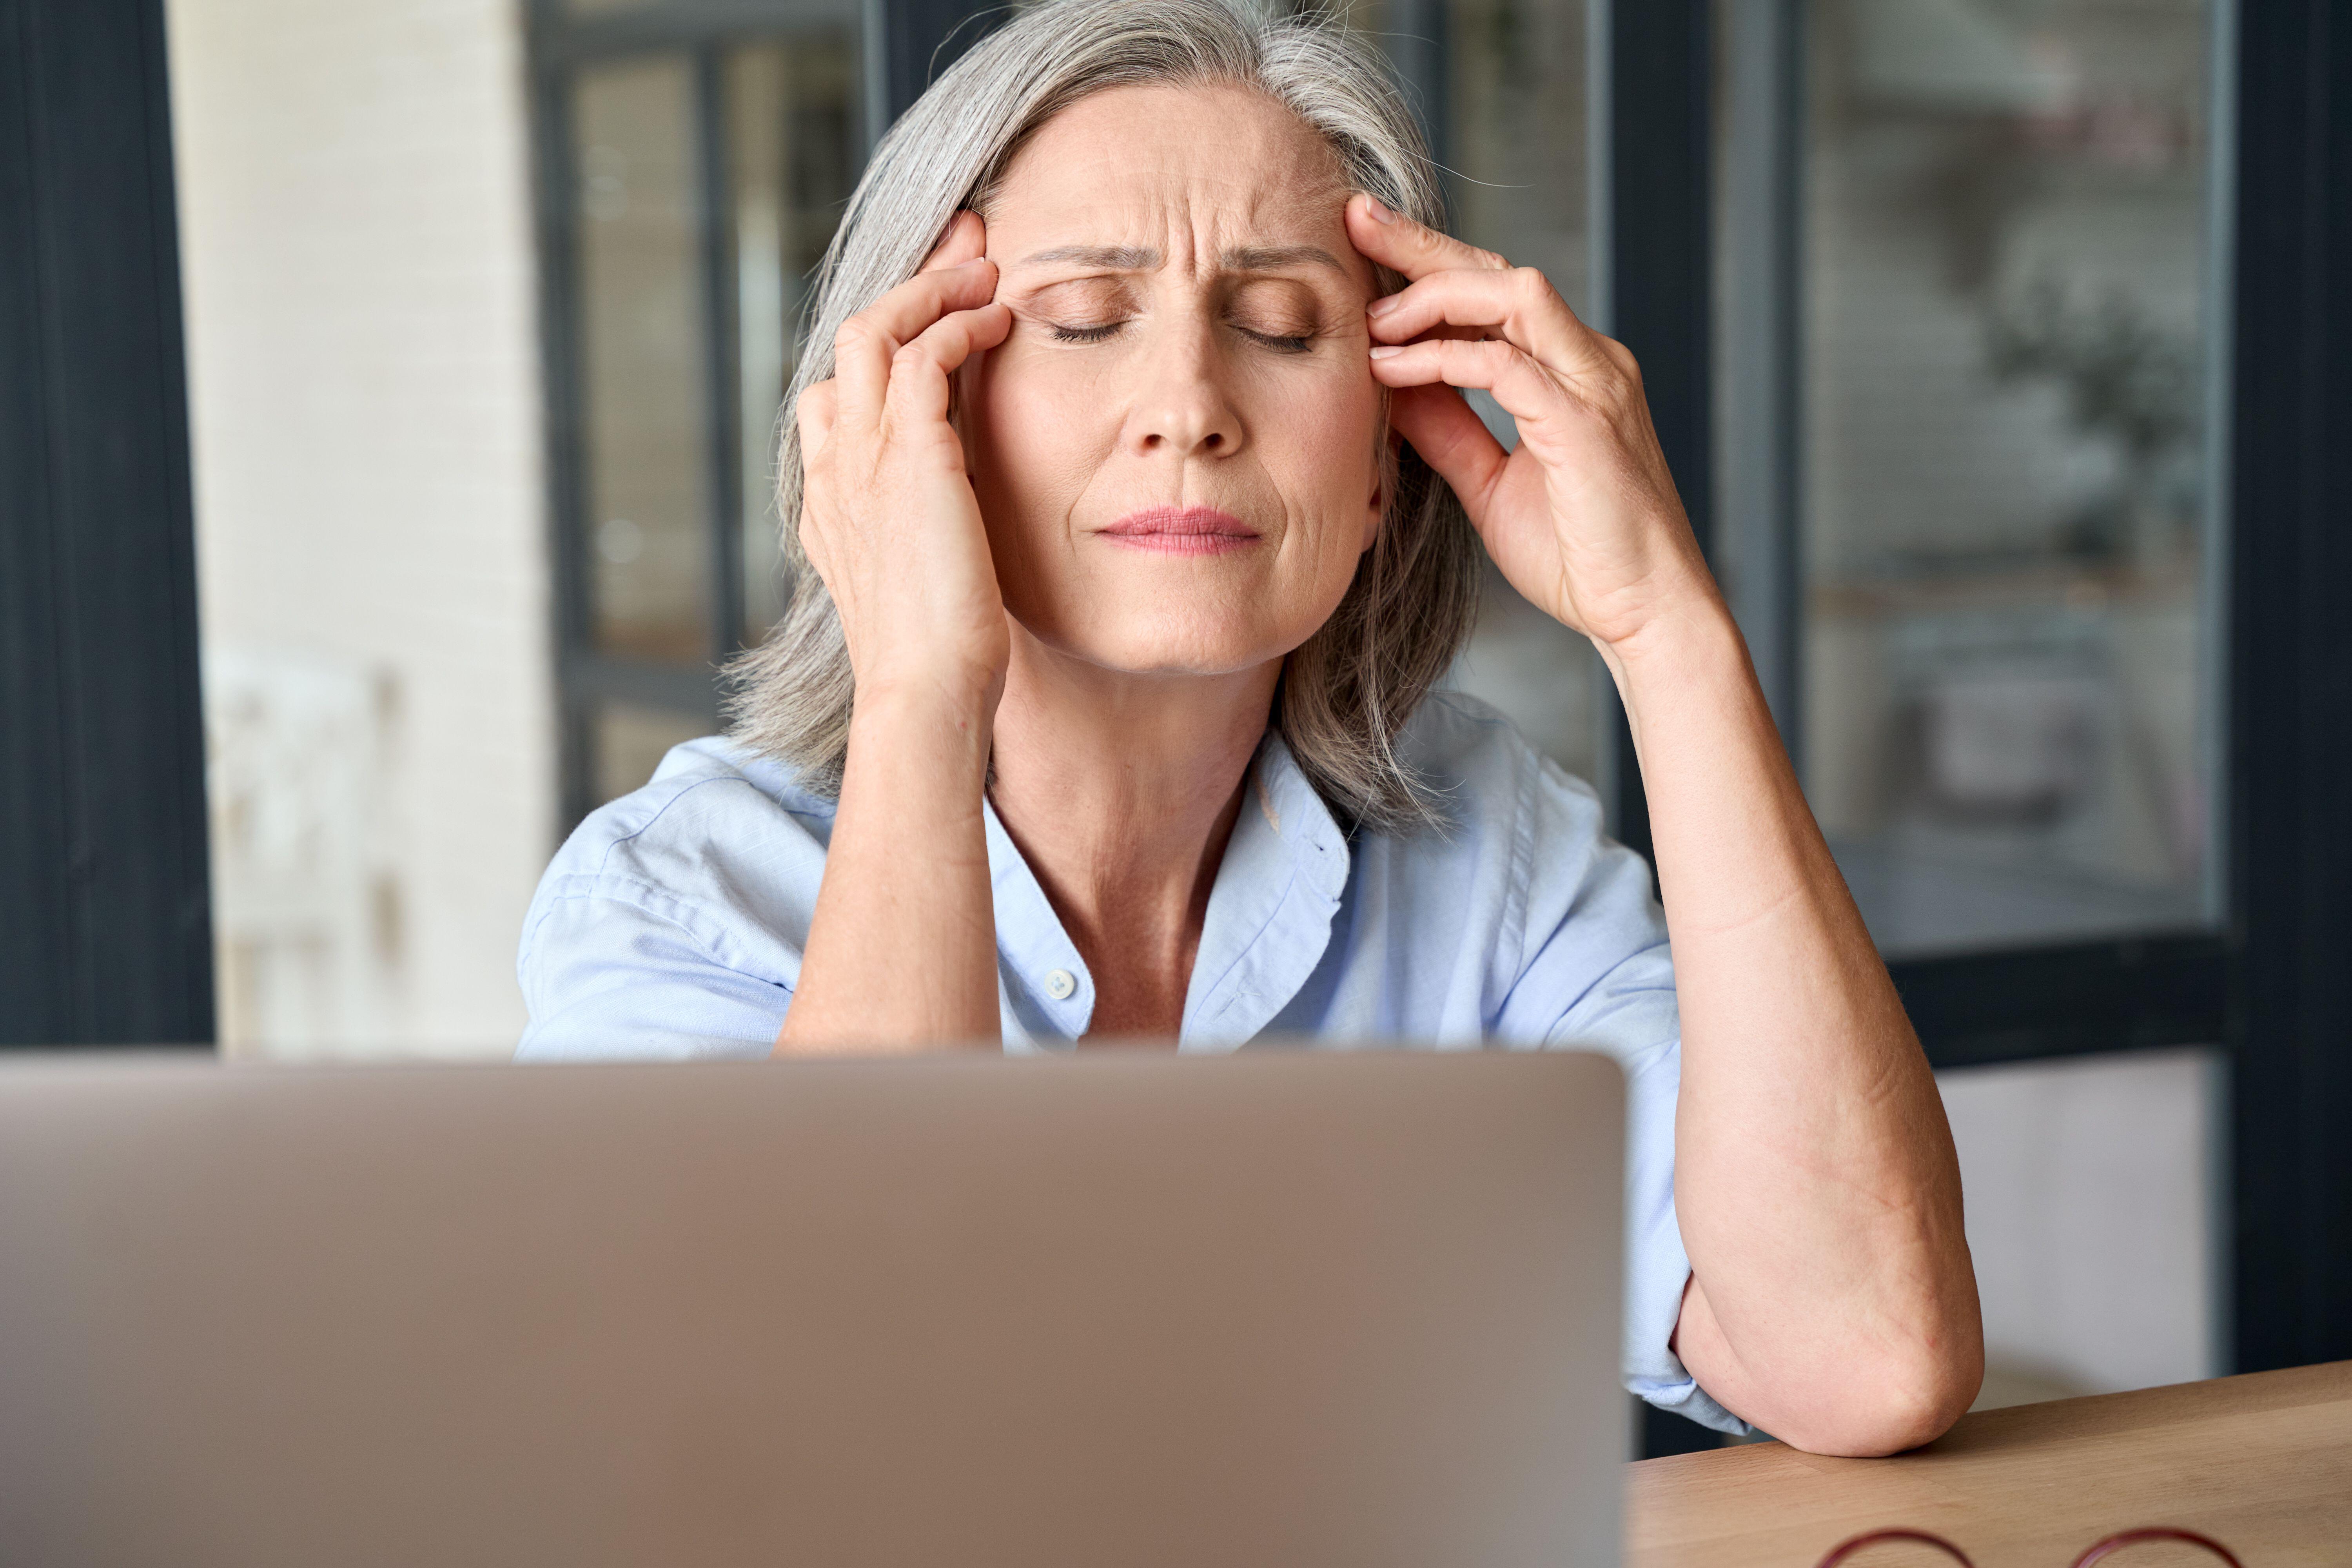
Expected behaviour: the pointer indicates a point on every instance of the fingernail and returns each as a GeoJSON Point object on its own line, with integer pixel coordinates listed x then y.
{"type": "Point", "coordinates": [1387, 351]}
{"type": "Point", "coordinates": [975, 261]}
{"type": "Point", "coordinates": [1381, 306]}
{"type": "Point", "coordinates": [1379, 214]}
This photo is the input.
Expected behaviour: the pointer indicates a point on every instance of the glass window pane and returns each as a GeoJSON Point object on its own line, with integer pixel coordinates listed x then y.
{"type": "Point", "coordinates": [2005, 468]}
{"type": "Point", "coordinates": [794, 152]}
{"type": "Point", "coordinates": [645, 440]}
{"type": "Point", "coordinates": [1501, 87]}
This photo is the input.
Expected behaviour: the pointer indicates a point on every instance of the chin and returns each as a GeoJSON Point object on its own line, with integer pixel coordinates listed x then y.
{"type": "Point", "coordinates": [1173, 639]}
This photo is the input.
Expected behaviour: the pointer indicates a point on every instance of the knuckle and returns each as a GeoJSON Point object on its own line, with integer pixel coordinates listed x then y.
{"type": "Point", "coordinates": [1530, 285]}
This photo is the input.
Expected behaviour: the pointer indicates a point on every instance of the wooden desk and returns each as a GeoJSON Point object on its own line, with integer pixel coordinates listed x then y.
{"type": "Point", "coordinates": [2262, 1464]}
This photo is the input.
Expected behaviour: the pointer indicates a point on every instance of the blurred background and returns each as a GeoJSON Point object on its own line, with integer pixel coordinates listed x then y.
{"type": "Point", "coordinates": [489, 309]}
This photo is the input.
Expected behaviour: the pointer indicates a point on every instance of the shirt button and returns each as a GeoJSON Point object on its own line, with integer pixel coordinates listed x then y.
{"type": "Point", "coordinates": [1060, 983]}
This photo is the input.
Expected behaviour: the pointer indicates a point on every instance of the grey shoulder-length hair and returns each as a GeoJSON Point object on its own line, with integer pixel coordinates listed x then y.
{"type": "Point", "coordinates": [1347, 693]}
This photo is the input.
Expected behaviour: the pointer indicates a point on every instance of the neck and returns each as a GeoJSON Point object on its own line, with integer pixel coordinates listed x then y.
{"type": "Point", "coordinates": [1120, 791]}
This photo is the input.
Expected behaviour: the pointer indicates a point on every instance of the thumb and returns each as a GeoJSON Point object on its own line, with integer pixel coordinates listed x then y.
{"type": "Point", "coordinates": [1452, 440]}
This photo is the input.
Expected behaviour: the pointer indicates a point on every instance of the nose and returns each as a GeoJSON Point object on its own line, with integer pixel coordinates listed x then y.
{"type": "Point", "coordinates": [1183, 406]}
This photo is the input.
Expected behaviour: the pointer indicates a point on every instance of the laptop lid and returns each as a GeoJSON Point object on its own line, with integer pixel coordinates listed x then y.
{"type": "Point", "coordinates": [1288, 1308]}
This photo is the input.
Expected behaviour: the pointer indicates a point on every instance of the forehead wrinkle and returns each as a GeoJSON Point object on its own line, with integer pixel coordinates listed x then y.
{"type": "Point", "coordinates": [1144, 258]}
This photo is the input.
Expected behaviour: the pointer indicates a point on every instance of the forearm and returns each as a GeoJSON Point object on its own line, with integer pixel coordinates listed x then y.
{"type": "Point", "coordinates": [901, 951]}
{"type": "Point", "coordinates": [1833, 1300]}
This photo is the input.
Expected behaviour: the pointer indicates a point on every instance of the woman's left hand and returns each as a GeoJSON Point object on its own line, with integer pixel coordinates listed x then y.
{"type": "Point", "coordinates": [1582, 518]}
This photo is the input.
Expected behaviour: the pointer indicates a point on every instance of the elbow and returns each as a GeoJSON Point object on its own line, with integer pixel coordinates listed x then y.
{"type": "Point", "coordinates": [1893, 1403]}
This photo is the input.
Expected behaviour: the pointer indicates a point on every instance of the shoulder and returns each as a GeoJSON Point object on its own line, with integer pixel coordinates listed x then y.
{"type": "Point", "coordinates": [1523, 864]}
{"type": "Point", "coordinates": [1517, 836]}
{"type": "Point", "coordinates": [721, 841]}
{"type": "Point", "coordinates": [698, 783]}
{"type": "Point", "coordinates": [1490, 784]}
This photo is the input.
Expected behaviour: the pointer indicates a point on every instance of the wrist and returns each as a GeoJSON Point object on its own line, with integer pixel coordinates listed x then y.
{"type": "Point", "coordinates": [1691, 636]}
{"type": "Point", "coordinates": [934, 721]}
{"type": "Point", "coordinates": [952, 692]}
{"type": "Point", "coordinates": [1691, 652]}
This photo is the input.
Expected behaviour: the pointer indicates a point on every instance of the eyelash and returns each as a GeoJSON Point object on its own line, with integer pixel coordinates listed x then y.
{"type": "Point", "coordinates": [1297, 345]}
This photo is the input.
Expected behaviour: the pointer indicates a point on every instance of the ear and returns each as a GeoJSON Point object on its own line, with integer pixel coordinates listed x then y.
{"type": "Point", "coordinates": [1386, 457]}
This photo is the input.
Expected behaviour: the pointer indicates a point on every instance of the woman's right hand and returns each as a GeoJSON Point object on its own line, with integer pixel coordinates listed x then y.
{"type": "Point", "coordinates": [887, 515]}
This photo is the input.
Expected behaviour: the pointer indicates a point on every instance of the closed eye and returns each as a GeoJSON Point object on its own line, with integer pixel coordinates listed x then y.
{"type": "Point", "coordinates": [1280, 344]}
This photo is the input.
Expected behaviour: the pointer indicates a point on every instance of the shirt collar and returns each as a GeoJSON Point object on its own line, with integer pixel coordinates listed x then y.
{"type": "Point", "coordinates": [1270, 910]}
{"type": "Point", "coordinates": [1268, 922]}
{"type": "Point", "coordinates": [1032, 950]}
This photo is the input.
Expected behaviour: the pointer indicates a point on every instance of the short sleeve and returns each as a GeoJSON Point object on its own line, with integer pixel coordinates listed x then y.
{"type": "Point", "coordinates": [1596, 973]}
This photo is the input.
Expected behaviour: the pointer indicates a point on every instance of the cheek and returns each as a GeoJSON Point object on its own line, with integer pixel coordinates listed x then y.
{"type": "Point", "coordinates": [1323, 447]}
{"type": "Point", "coordinates": [1027, 435]}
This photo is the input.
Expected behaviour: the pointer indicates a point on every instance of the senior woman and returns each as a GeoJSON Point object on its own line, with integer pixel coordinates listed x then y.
{"type": "Point", "coordinates": [1138, 497]}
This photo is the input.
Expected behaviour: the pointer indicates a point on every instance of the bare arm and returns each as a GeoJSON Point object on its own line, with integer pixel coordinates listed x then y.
{"type": "Point", "coordinates": [901, 950]}
{"type": "Point", "coordinates": [1832, 1298]}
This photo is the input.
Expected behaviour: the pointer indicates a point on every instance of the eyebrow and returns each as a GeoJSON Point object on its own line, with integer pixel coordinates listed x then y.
{"type": "Point", "coordinates": [1112, 258]}
{"type": "Point", "coordinates": [1280, 258]}
{"type": "Point", "coordinates": [1139, 258]}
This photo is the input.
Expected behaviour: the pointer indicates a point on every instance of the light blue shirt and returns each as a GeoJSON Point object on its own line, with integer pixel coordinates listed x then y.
{"type": "Point", "coordinates": [671, 925]}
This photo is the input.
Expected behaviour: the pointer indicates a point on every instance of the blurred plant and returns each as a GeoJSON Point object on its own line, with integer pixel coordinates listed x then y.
{"type": "Point", "coordinates": [2129, 380]}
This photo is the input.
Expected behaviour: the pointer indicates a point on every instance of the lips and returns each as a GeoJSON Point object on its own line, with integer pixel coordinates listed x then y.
{"type": "Point", "coordinates": [1182, 531]}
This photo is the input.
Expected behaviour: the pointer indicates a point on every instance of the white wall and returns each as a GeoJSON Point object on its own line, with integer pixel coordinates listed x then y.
{"type": "Point", "coordinates": [2090, 1213]}
{"type": "Point", "coordinates": [357, 255]}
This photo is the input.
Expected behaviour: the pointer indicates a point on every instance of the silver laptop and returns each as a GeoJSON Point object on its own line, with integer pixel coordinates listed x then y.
{"type": "Point", "coordinates": [1288, 1308]}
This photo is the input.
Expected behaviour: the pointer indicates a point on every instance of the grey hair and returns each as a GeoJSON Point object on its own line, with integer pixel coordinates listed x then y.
{"type": "Point", "coordinates": [1345, 693]}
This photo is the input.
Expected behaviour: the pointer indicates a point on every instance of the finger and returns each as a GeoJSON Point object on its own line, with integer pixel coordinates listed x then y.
{"type": "Point", "coordinates": [814, 415]}
{"type": "Point", "coordinates": [1521, 304]}
{"type": "Point", "coordinates": [919, 371]}
{"type": "Point", "coordinates": [1414, 249]}
{"type": "Point", "coordinates": [1510, 373]}
{"type": "Point", "coordinates": [967, 237]}
{"type": "Point", "coordinates": [863, 347]}
{"type": "Point", "coordinates": [1452, 440]}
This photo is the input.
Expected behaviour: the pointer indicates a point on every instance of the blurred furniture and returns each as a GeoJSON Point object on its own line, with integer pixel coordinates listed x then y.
{"type": "Point", "coordinates": [2261, 1463]}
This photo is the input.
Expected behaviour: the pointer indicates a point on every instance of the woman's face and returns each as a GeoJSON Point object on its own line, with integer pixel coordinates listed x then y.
{"type": "Point", "coordinates": [1177, 450]}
